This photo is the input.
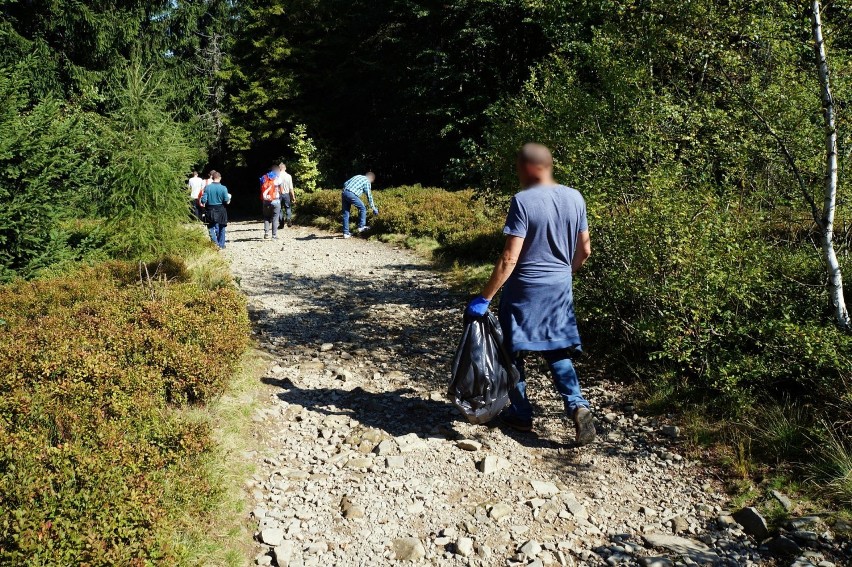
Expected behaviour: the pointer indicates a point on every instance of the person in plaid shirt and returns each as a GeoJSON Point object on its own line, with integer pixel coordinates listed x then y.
{"type": "Point", "coordinates": [352, 191]}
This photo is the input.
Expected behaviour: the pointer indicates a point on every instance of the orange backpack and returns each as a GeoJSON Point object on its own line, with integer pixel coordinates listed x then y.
{"type": "Point", "coordinates": [268, 190]}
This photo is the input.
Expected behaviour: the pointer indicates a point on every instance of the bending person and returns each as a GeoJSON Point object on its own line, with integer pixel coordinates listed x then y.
{"type": "Point", "coordinates": [352, 191]}
{"type": "Point", "coordinates": [547, 241]}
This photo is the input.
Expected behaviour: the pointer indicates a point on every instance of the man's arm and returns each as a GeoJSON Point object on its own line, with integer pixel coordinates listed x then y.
{"type": "Point", "coordinates": [291, 189]}
{"type": "Point", "coordinates": [583, 251]}
{"type": "Point", "coordinates": [369, 192]}
{"type": "Point", "coordinates": [504, 266]}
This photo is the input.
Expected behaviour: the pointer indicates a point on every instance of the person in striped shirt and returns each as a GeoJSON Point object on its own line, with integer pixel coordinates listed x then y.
{"type": "Point", "coordinates": [352, 191]}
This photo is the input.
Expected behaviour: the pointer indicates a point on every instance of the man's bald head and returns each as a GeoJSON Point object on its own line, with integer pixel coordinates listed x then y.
{"type": "Point", "coordinates": [535, 154]}
{"type": "Point", "coordinates": [535, 165]}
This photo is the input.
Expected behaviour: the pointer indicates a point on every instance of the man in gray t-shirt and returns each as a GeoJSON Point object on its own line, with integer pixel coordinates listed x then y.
{"type": "Point", "coordinates": [547, 241]}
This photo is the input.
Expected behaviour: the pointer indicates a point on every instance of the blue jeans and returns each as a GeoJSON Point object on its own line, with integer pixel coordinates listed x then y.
{"type": "Point", "coordinates": [271, 214]}
{"type": "Point", "coordinates": [217, 234]}
{"type": "Point", "coordinates": [286, 209]}
{"type": "Point", "coordinates": [350, 199]}
{"type": "Point", "coordinates": [564, 378]}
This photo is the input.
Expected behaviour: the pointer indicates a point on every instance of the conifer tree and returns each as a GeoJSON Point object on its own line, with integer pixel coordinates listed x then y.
{"type": "Point", "coordinates": [307, 168]}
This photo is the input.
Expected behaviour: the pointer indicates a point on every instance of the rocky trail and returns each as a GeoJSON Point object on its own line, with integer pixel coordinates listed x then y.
{"type": "Point", "coordinates": [365, 462]}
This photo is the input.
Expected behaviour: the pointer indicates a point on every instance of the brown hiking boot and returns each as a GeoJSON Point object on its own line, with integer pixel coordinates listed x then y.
{"type": "Point", "coordinates": [584, 423]}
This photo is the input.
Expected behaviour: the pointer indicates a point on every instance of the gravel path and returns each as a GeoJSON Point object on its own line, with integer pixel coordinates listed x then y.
{"type": "Point", "coordinates": [366, 463]}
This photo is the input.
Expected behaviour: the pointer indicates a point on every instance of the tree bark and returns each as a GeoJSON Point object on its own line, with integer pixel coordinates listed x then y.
{"type": "Point", "coordinates": [826, 223]}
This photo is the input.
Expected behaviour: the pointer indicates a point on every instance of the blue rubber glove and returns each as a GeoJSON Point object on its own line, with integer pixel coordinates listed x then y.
{"type": "Point", "coordinates": [376, 211]}
{"type": "Point", "coordinates": [478, 306]}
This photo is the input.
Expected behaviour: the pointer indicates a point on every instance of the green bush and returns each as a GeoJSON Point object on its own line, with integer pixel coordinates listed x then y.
{"type": "Point", "coordinates": [97, 459]}
{"type": "Point", "coordinates": [686, 287]}
{"type": "Point", "coordinates": [461, 223]}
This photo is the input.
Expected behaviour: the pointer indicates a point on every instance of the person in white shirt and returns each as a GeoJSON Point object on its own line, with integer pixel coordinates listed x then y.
{"type": "Point", "coordinates": [196, 185]}
{"type": "Point", "coordinates": [288, 196]}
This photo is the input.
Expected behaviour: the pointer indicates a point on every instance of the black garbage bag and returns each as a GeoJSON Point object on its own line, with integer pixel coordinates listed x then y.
{"type": "Point", "coordinates": [483, 372]}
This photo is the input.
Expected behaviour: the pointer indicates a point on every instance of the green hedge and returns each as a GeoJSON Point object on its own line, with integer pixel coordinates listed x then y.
{"type": "Point", "coordinates": [98, 460]}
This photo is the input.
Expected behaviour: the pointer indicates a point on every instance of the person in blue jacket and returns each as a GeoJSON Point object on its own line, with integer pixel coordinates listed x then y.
{"type": "Point", "coordinates": [213, 200]}
{"type": "Point", "coordinates": [547, 242]}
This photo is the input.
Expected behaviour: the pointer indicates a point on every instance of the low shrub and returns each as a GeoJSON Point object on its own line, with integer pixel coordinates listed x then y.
{"type": "Point", "coordinates": [464, 227]}
{"type": "Point", "coordinates": [97, 458]}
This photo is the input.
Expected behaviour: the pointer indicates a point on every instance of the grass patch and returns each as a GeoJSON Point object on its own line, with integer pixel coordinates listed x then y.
{"type": "Point", "coordinates": [223, 536]}
{"type": "Point", "coordinates": [780, 431]}
{"type": "Point", "coordinates": [209, 270]}
{"type": "Point", "coordinates": [423, 245]}
{"type": "Point", "coordinates": [833, 465]}
{"type": "Point", "coordinates": [469, 277]}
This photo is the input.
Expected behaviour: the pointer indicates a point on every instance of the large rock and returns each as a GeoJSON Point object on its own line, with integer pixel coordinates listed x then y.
{"type": "Point", "coordinates": [283, 553]}
{"type": "Point", "coordinates": [544, 489]}
{"type": "Point", "coordinates": [672, 431]}
{"type": "Point", "coordinates": [805, 523]}
{"type": "Point", "coordinates": [752, 522]}
{"type": "Point", "coordinates": [531, 548]}
{"type": "Point", "coordinates": [574, 507]}
{"type": "Point", "coordinates": [359, 463]}
{"type": "Point", "coordinates": [350, 510]}
{"type": "Point", "coordinates": [410, 443]}
{"type": "Point", "coordinates": [395, 462]}
{"type": "Point", "coordinates": [464, 546]}
{"type": "Point", "coordinates": [491, 464]}
{"type": "Point", "coordinates": [408, 549]}
{"type": "Point", "coordinates": [843, 528]}
{"type": "Point", "coordinates": [469, 445]}
{"type": "Point", "coordinates": [782, 499]}
{"type": "Point", "coordinates": [783, 546]}
{"type": "Point", "coordinates": [272, 536]}
{"type": "Point", "coordinates": [679, 524]}
{"type": "Point", "coordinates": [385, 448]}
{"type": "Point", "coordinates": [499, 511]}
{"type": "Point", "coordinates": [695, 550]}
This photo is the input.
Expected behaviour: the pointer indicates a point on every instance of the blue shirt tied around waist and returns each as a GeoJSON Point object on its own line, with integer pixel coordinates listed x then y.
{"type": "Point", "coordinates": [537, 306]}
{"type": "Point", "coordinates": [359, 185]}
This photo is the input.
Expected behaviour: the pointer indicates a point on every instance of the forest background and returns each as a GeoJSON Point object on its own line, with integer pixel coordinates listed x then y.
{"type": "Point", "coordinates": [695, 132]}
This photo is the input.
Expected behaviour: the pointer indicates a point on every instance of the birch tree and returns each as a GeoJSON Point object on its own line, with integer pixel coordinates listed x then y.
{"type": "Point", "coordinates": [825, 222]}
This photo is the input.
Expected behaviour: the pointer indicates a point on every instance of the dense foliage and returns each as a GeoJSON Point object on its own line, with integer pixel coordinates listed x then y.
{"type": "Point", "coordinates": [37, 154]}
{"type": "Point", "coordinates": [100, 123]}
{"type": "Point", "coordinates": [97, 461]}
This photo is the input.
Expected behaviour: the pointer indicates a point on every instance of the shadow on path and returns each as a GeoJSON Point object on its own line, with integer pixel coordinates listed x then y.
{"type": "Point", "coordinates": [397, 319]}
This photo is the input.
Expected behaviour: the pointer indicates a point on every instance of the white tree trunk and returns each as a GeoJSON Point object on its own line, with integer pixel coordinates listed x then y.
{"type": "Point", "coordinates": [826, 223]}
